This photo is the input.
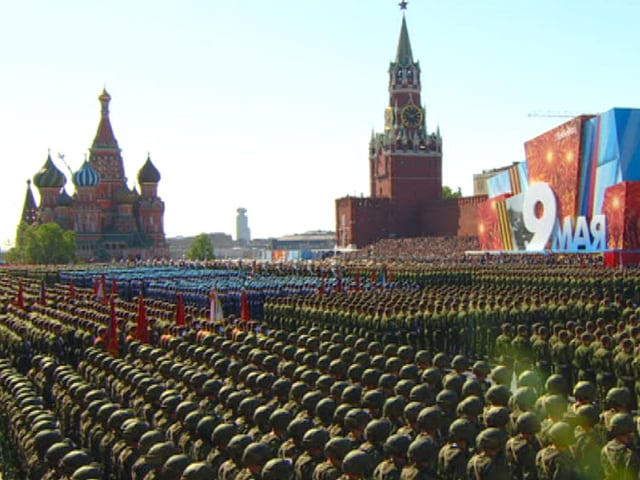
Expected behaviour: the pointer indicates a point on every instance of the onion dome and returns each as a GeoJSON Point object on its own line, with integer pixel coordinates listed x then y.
{"type": "Point", "coordinates": [87, 176]}
{"type": "Point", "coordinates": [124, 195]}
{"type": "Point", "coordinates": [148, 173]}
{"type": "Point", "coordinates": [64, 200]}
{"type": "Point", "coordinates": [49, 176]}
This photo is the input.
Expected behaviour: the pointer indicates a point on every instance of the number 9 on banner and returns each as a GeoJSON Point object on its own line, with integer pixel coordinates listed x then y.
{"type": "Point", "coordinates": [540, 223]}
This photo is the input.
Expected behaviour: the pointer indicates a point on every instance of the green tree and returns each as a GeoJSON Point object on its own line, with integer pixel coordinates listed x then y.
{"type": "Point", "coordinates": [47, 243]}
{"type": "Point", "coordinates": [201, 248]}
{"type": "Point", "coordinates": [447, 192]}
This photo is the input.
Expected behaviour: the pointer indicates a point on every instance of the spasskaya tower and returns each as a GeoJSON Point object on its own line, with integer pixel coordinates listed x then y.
{"type": "Point", "coordinates": [405, 160]}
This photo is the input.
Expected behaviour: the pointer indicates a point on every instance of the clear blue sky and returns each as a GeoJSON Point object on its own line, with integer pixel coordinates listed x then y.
{"type": "Point", "coordinates": [269, 105]}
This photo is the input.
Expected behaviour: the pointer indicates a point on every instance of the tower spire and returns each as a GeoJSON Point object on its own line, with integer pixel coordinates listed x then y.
{"type": "Point", "coordinates": [104, 136]}
{"type": "Point", "coordinates": [29, 209]}
{"type": "Point", "coordinates": [404, 56]}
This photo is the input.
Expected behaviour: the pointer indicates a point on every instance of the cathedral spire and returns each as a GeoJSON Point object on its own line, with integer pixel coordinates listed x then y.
{"type": "Point", "coordinates": [30, 209]}
{"type": "Point", "coordinates": [104, 136]}
{"type": "Point", "coordinates": [404, 56]}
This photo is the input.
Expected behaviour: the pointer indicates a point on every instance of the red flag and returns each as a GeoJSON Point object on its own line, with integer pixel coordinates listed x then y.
{"type": "Point", "coordinates": [72, 291]}
{"type": "Point", "coordinates": [180, 318]}
{"type": "Point", "coordinates": [245, 314]}
{"type": "Point", "coordinates": [43, 293]}
{"type": "Point", "coordinates": [321, 289]}
{"type": "Point", "coordinates": [112, 347]}
{"type": "Point", "coordinates": [20, 300]}
{"type": "Point", "coordinates": [114, 287]}
{"type": "Point", "coordinates": [142, 329]}
{"type": "Point", "coordinates": [358, 282]}
{"type": "Point", "coordinates": [374, 277]}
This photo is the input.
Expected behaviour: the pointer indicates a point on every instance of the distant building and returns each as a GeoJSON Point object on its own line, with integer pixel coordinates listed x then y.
{"type": "Point", "coordinates": [243, 233]}
{"type": "Point", "coordinates": [111, 221]}
{"type": "Point", "coordinates": [480, 186]}
{"type": "Point", "coordinates": [405, 171]}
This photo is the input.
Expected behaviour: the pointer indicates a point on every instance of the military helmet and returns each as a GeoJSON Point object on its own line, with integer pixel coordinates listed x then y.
{"type": "Point", "coordinates": [159, 453]}
{"type": "Point", "coordinates": [237, 445]}
{"type": "Point", "coordinates": [556, 384]}
{"type": "Point", "coordinates": [88, 472]}
{"type": "Point", "coordinates": [497, 417]}
{"type": "Point", "coordinates": [73, 460]}
{"type": "Point", "coordinates": [482, 368]}
{"type": "Point", "coordinates": [356, 419]}
{"type": "Point", "coordinates": [525, 398]}
{"type": "Point", "coordinates": [501, 375]}
{"type": "Point", "coordinates": [621, 424]}
{"type": "Point", "coordinates": [256, 454]}
{"type": "Point", "coordinates": [377, 431]}
{"type": "Point", "coordinates": [447, 400]}
{"type": "Point", "coordinates": [472, 406]}
{"type": "Point", "coordinates": [528, 422]}
{"type": "Point", "coordinates": [498, 395]}
{"type": "Point", "coordinates": [584, 391]}
{"type": "Point", "coordinates": [117, 418]}
{"type": "Point", "coordinates": [423, 450]}
{"type": "Point", "coordinates": [55, 453]}
{"type": "Point", "coordinates": [149, 439]}
{"type": "Point", "coordinates": [561, 434]}
{"type": "Point", "coordinates": [278, 469]}
{"type": "Point", "coordinates": [441, 360]}
{"type": "Point", "coordinates": [174, 466]}
{"type": "Point", "coordinates": [325, 409]}
{"type": "Point", "coordinates": [555, 405]}
{"type": "Point", "coordinates": [298, 427]}
{"type": "Point", "coordinates": [462, 429]}
{"type": "Point", "coordinates": [397, 445]}
{"type": "Point", "coordinates": [205, 427]}
{"type": "Point", "coordinates": [472, 387]}
{"type": "Point", "coordinates": [338, 447]}
{"type": "Point", "coordinates": [315, 438]}
{"type": "Point", "coordinates": [491, 439]}
{"type": "Point", "coordinates": [133, 429]}
{"type": "Point", "coordinates": [618, 397]}
{"type": "Point", "coordinates": [223, 433]}
{"type": "Point", "coordinates": [430, 418]}
{"type": "Point", "coordinates": [460, 362]}
{"type": "Point", "coordinates": [412, 410]}
{"type": "Point", "coordinates": [529, 378]}
{"type": "Point", "coordinates": [211, 387]}
{"type": "Point", "coordinates": [44, 439]}
{"type": "Point", "coordinates": [351, 394]}
{"type": "Point", "coordinates": [588, 415]}
{"type": "Point", "coordinates": [357, 462]}
{"type": "Point", "coordinates": [197, 471]}
{"type": "Point", "coordinates": [409, 371]}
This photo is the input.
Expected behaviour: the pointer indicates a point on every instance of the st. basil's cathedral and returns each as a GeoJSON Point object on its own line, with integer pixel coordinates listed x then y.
{"type": "Point", "coordinates": [111, 221]}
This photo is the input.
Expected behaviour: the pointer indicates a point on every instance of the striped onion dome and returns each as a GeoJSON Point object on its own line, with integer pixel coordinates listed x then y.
{"type": "Point", "coordinates": [87, 176]}
{"type": "Point", "coordinates": [49, 176]}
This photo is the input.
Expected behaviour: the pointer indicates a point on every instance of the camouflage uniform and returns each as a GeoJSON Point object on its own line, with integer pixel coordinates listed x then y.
{"type": "Point", "coordinates": [483, 467]}
{"type": "Point", "coordinates": [386, 470]}
{"type": "Point", "coordinates": [553, 464]}
{"type": "Point", "coordinates": [521, 456]}
{"type": "Point", "coordinates": [452, 462]}
{"type": "Point", "coordinates": [619, 461]}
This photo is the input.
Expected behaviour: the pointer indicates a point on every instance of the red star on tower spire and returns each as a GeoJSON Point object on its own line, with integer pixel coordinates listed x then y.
{"type": "Point", "coordinates": [403, 5]}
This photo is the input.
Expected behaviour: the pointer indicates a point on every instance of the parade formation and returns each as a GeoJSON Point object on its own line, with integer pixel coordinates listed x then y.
{"type": "Point", "coordinates": [354, 369]}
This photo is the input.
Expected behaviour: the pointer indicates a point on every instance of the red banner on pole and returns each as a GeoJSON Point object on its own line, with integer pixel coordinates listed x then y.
{"type": "Point", "coordinates": [142, 330]}
{"type": "Point", "coordinates": [113, 331]}
{"type": "Point", "coordinates": [180, 317]}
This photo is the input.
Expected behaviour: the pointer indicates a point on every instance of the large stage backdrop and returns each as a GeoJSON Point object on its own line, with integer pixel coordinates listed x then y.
{"type": "Point", "coordinates": [578, 191]}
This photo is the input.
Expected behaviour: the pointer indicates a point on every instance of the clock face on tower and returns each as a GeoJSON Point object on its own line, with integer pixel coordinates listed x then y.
{"type": "Point", "coordinates": [411, 116]}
